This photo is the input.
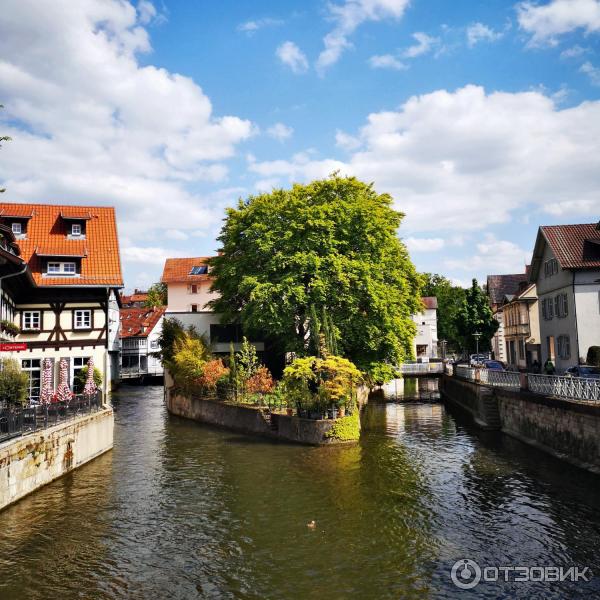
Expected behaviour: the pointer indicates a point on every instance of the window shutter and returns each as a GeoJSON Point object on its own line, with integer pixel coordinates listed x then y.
{"type": "Point", "coordinates": [544, 313]}
{"type": "Point", "coordinates": [565, 305]}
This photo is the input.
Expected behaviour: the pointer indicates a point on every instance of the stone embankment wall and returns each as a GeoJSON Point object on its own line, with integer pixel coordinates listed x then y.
{"type": "Point", "coordinates": [564, 428]}
{"type": "Point", "coordinates": [31, 461]}
{"type": "Point", "coordinates": [249, 419]}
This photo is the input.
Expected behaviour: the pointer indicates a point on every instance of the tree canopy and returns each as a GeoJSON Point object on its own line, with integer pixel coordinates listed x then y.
{"type": "Point", "coordinates": [475, 316]}
{"type": "Point", "coordinates": [157, 295]}
{"type": "Point", "coordinates": [326, 248]}
{"type": "Point", "coordinates": [450, 298]}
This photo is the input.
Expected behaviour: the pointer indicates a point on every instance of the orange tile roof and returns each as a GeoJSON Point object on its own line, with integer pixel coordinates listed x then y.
{"type": "Point", "coordinates": [575, 246]}
{"type": "Point", "coordinates": [73, 213]}
{"type": "Point", "coordinates": [47, 233]}
{"type": "Point", "coordinates": [177, 270]}
{"type": "Point", "coordinates": [137, 296]}
{"type": "Point", "coordinates": [139, 322]}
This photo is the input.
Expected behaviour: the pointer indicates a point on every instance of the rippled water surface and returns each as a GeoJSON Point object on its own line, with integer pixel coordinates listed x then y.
{"type": "Point", "coordinates": [181, 510]}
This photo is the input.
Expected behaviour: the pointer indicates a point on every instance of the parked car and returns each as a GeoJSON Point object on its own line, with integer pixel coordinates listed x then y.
{"type": "Point", "coordinates": [587, 371]}
{"type": "Point", "coordinates": [477, 359]}
{"type": "Point", "coordinates": [493, 365]}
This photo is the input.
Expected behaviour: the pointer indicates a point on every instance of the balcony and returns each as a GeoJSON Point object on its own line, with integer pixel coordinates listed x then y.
{"type": "Point", "coordinates": [520, 329]}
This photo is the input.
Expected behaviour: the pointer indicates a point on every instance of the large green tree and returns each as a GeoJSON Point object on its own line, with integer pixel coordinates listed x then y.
{"type": "Point", "coordinates": [327, 248]}
{"type": "Point", "coordinates": [157, 295]}
{"type": "Point", "coordinates": [475, 316]}
{"type": "Point", "coordinates": [450, 298]}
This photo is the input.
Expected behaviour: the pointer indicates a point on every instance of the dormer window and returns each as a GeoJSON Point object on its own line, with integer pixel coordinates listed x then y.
{"type": "Point", "coordinates": [76, 229]}
{"type": "Point", "coordinates": [17, 228]}
{"type": "Point", "coordinates": [61, 269]}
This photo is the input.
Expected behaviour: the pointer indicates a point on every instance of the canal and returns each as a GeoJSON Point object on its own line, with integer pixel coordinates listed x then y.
{"type": "Point", "coordinates": [179, 510]}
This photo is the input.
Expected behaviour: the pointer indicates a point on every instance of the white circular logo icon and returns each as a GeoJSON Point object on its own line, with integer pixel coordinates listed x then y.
{"type": "Point", "coordinates": [465, 574]}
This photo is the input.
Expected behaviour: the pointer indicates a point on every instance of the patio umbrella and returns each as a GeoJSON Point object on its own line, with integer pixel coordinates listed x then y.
{"type": "Point", "coordinates": [90, 387]}
{"type": "Point", "coordinates": [47, 388]}
{"type": "Point", "coordinates": [63, 392]}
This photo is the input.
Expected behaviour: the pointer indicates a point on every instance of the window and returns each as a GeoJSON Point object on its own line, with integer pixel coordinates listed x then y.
{"type": "Point", "coordinates": [61, 268]}
{"type": "Point", "coordinates": [32, 368]}
{"type": "Point", "coordinates": [561, 306]}
{"type": "Point", "coordinates": [522, 349]}
{"type": "Point", "coordinates": [550, 267]}
{"type": "Point", "coordinates": [194, 308]}
{"type": "Point", "coordinates": [564, 347]}
{"type": "Point", "coordinates": [82, 319]}
{"type": "Point", "coordinates": [17, 228]}
{"type": "Point", "coordinates": [31, 319]}
{"type": "Point", "coordinates": [77, 364]}
{"type": "Point", "coordinates": [76, 229]}
{"type": "Point", "coordinates": [154, 344]}
{"type": "Point", "coordinates": [200, 270]}
{"type": "Point", "coordinates": [548, 309]}
{"type": "Point", "coordinates": [193, 289]}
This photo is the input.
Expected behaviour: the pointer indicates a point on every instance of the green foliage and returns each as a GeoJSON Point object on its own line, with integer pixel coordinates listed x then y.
{"type": "Point", "coordinates": [81, 378]}
{"type": "Point", "coordinates": [345, 429]}
{"type": "Point", "coordinates": [247, 362]}
{"type": "Point", "coordinates": [9, 327]}
{"type": "Point", "coordinates": [327, 248]}
{"type": "Point", "coordinates": [380, 373]}
{"type": "Point", "coordinates": [475, 315]}
{"type": "Point", "coordinates": [313, 381]}
{"type": "Point", "coordinates": [189, 360]}
{"type": "Point", "coordinates": [14, 383]}
{"type": "Point", "coordinates": [172, 331]}
{"type": "Point", "coordinates": [157, 295]}
{"type": "Point", "coordinates": [593, 356]}
{"type": "Point", "coordinates": [450, 299]}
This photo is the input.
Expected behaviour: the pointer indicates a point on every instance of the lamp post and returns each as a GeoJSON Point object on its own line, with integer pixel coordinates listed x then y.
{"type": "Point", "coordinates": [477, 335]}
{"type": "Point", "coordinates": [443, 344]}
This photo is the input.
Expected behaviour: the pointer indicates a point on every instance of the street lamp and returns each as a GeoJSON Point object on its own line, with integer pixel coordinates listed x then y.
{"type": "Point", "coordinates": [477, 335]}
{"type": "Point", "coordinates": [443, 343]}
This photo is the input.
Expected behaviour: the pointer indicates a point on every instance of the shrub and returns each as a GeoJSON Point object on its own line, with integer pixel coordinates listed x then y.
{"type": "Point", "coordinates": [378, 373]}
{"type": "Point", "coordinates": [593, 356]}
{"type": "Point", "coordinates": [213, 371]}
{"type": "Point", "coordinates": [81, 378]}
{"type": "Point", "coordinates": [14, 383]}
{"type": "Point", "coordinates": [189, 360]}
{"type": "Point", "coordinates": [261, 382]}
{"type": "Point", "coordinates": [9, 327]}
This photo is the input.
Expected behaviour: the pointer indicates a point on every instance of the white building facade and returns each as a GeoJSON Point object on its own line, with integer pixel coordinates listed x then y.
{"type": "Point", "coordinates": [426, 341]}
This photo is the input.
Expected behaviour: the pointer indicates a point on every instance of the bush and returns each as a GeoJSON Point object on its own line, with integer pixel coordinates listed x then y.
{"type": "Point", "coordinates": [81, 378]}
{"type": "Point", "coordinates": [214, 370]}
{"type": "Point", "coordinates": [378, 373]}
{"type": "Point", "coordinates": [189, 360]}
{"type": "Point", "coordinates": [9, 327]}
{"type": "Point", "coordinates": [261, 382]}
{"type": "Point", "coordinates": [14, 383]}
{"type": "Point", "coordinates": [593, 356]}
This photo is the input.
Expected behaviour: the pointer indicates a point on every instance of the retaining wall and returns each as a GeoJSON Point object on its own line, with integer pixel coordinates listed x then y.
{"type": "Point", "coordinates": [31, 461]}
{"type": "Point", "coordinates": [249, 419]}
{"type": "Point", "coordinates": [567, 429]}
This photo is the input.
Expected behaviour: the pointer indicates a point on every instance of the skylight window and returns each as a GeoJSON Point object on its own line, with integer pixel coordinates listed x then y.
{"type": "Point", "coordinates": [203, 270]}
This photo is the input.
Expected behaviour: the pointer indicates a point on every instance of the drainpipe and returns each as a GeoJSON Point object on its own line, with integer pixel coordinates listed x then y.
{"type": "Point", "coordinates": [575, 317]}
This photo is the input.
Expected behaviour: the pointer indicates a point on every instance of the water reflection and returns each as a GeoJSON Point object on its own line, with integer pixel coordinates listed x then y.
{"type": "Point", "coordinates": [410, 389]}
{"type": "Point", "coordinates": [181, 510]}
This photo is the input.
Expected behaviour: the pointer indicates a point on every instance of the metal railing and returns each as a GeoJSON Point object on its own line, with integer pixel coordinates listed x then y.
{"type": "Point", "coordinates": [132, 372]}
{"type": "Point", "coordinates": [504, 379]}
{"type": "Point", "coordinates": [568, 388]}
{"type": "Point", "coordinates": [421, 368]}
{"type": "Point", "coordinates": [575, 388]}
{"type": "Point", "coordinates": [16, 421]}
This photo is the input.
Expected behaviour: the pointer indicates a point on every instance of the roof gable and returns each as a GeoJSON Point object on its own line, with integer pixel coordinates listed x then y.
{"type": "Point", "coordinates": [139, 322]}
{"type": "Point", "coordinates": [499, 286]}
{"type": "Point", "coordinates": [47, 237]}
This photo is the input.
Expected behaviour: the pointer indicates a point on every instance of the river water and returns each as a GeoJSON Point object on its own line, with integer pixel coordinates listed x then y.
{"type": "Point", "coordinates": [179, 510]}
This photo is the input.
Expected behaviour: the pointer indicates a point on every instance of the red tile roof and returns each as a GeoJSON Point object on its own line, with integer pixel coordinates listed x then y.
{"type": "Point", "coordinates": [137, 296]}
{"type": "Point", "coordinates": [430, 302]}
{"type": "Point", "coordinates": [47, 233]}
{"type": "Point", "coordinates": [499, 286]}
{"type": "Point", "coordinates": [75, 214]}
{"type": "Point", "coordinates": [139, 322]}
{"type": "Point", "coordinates": [177, 270]}
{"type": "Point", "coordinates": [575, 246]}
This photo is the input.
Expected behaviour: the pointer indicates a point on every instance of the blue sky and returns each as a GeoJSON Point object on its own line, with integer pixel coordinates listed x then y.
{"type": "Point", "coordinates": [482, 119]}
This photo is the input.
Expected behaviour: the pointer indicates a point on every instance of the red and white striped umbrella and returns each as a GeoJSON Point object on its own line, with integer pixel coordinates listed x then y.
{"type": "Point", "coordinates": [63, 392]}
{"type": "Point", "coordinates": [90, 385]}
{"type": "Point", "coordinates": [47, 390]}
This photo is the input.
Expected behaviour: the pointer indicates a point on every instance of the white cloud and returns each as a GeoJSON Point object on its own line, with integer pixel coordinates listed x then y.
{"type": "Point", "coordinates": [252, 26]}
{"type": "Point", "coordinates": [91, 124]}
{"type": "Point", "coordinates": [461, 161]}
{"type": "Point", "coordinates": [150, 255]}
{"type": "Point", "coordinates": [592, 72]}
{"type": "Point", "coordinates": [266, 185]}
{"type": "Point", "coordinates": [493, 256]}
{"type": "Point", "coordinates": [478, 32]}
{"type": "Point", "coordinates": [424, 244]}
{"type": "Point", "coordinates": [574, 52]}
{"type": "Point", "coordinates": [280, 131]}
{"type": "Point", "coordinates": [347, 17]}
{"type": "Point", "coordinates": [546, 22]}
{"type": "Point", "coordinates": [424, 44]}
{"type": "Point", "coordinates": [346, 141]}
{"type": "Point", "coordinates": [386, 61]}
{"type": "Point", "coordinates": [176, 234]}
{"type": "Point", "coordinates": [289, 54]}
